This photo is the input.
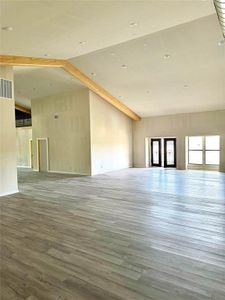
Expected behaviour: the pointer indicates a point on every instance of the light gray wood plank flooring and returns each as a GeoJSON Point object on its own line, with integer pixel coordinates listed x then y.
{"type": "Point", "coordinates": [134, 234]}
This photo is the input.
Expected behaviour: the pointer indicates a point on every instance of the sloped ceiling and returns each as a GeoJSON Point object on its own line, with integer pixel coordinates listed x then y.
{"type": "Point", "coordinates": [100, 37]}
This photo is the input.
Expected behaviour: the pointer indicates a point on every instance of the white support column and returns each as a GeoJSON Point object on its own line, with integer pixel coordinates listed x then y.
{"type": "Point", "coordinates": [8, 170]}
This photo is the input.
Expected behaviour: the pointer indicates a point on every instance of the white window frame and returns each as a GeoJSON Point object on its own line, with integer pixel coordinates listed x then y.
{"type": "Point", "coordinates": [203, 151]}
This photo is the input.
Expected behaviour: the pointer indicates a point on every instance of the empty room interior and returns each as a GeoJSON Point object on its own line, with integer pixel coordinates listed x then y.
{"type": "Point", "coordinates": [112, 150]}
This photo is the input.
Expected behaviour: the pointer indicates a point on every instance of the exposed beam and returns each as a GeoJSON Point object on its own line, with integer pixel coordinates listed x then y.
{"type": "Point", "coordinates": [75, 72]}
{"type": "Point", "coordinates": [12, 60]}
{"type": "Point", "coordinates": [22, 108]}
{"type": "Point", "coordinates": [93, 86]}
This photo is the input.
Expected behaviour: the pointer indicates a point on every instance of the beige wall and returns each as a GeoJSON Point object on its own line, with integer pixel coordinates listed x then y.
{"type": "Point", "coordinates": [111, 137]}
{"type": "Point", "coordinates": [23, 136]}
{"type": "Point", "coordinates": [8, 171]}
{"type": "Point", "coordinates": [68, 135]}
{"type": "Point", "coordinates": [179, 126]}
{"type": "Point", "coordinates": [89, 137]}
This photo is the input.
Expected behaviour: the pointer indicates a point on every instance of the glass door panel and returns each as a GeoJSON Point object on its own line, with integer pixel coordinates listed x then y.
{"type": "Point", "coordinates": [156, 152]}
{"type": "Point", "coordinates": [170, 152]}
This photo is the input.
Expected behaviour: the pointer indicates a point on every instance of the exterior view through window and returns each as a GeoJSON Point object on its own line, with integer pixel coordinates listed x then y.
{"type": "Point", "coordinates": [204, 150]}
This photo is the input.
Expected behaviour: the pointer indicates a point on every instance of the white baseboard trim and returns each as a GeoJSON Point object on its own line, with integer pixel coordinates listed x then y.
{"type": "Point", "coordinates": [24, 167]}
{"type": "Point", "coordinates": [69, 173]}
{"type": "Point", "coordinates": [9, 193]}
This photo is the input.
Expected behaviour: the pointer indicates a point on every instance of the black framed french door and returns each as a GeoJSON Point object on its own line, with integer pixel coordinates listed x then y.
{"type": "Point", "coordinates": [156, 160]}
{"type": "Point", "coordinates": [170, 153]}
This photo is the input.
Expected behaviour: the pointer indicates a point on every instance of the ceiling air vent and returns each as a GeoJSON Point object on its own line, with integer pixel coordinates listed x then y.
{"type": "Point", "coordinates": [5, 88]}
{"type": "Point", "coordinates": [220, 9]}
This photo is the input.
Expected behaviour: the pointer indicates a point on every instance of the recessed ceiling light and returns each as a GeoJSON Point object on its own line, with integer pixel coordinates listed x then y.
{"type": "Point", "coordinates": [7, 28]}
{"type": "Point", "coordinates": [166, 56]}
{"type": "Point", "coordinates": [124, 66]}
{"type": "Point", "coordinates": [221, 43]}
{"type": "Point", "coordinates": [133, 24]}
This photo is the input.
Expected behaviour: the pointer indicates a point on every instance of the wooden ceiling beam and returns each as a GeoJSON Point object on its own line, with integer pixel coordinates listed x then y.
{"type": "Point", "coordinates": [97, 89]}
{"type": "Point", "coordinates": [75, 72]}
{"type": "Point", "coordinates": [12, 60]}
{"type": "Point", "coordinates": [23, 109]}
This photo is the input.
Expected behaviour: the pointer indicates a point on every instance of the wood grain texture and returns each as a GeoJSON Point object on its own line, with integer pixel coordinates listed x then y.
{"type": "Point", "coordinates": [12, 60]}
{"type": "Point", "coordinates": [135, 234]}
{"type": "Point", "coordinates": [75, 72]}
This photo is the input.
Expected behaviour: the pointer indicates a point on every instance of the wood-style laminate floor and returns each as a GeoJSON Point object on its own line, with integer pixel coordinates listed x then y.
{"type": "Point", "coordinates": [134, 234]}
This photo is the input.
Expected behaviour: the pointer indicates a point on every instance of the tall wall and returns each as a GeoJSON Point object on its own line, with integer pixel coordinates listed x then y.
{"type": "Point", "coordinates": [8, 171]}
{"type": "Point", "coordinates": [23, 136]}
{"type": "Point", "coordinates": [64, 120]}
{"type": "Point", "coordinates": [89, 136]}
{"type": "Point", "coordinates": [180, 125]}
{"type": "Point", "coordinates": [111, 137]}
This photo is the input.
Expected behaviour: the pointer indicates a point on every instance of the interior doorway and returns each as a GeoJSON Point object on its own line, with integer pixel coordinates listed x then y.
{"type": "Point", "coordinates": [42, 155]}
{"type": "Point", "coordinates": [163, 152]}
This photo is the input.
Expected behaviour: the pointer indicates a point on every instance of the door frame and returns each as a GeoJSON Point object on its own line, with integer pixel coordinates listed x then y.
{"type": "Point", "coordinates": [38, 153]}
{"type": "Point", "coordinates": [160, 152]}
{"type": "Point", "coordinates": [31, 152]}
{"type": "Point", "coordinates": [175, 152]}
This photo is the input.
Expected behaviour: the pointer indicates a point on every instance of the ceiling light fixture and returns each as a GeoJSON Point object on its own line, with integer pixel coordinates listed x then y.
{"type": "Point", "coordinates": [7, 28]}
{"type": "Point", "coordinates": [221, 43]}
{"type": "Point", "coordinates": [133, 24]}
{"type": "Point", "coordinates": [166, 56]}
{"type": "Point", "coordinates": [124, 66]}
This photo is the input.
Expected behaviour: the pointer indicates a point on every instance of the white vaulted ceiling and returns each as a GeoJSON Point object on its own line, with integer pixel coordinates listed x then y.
{"type": "Point", "coordinates": [192, 79]}
{"type": "Point", "coordinates": [101, 36]}
{"type": "Point", "coordinates": [58, 27]}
